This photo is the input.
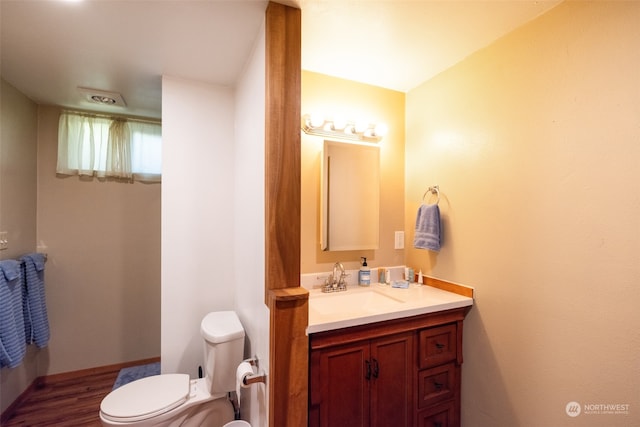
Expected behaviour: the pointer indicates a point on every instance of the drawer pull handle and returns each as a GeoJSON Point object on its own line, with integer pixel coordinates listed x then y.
{"type": "Point", "coordinates": [367, 375]}
{"type": "Point", "coordinates": [439, 346]}
{"type": "Point", "coordinates": [437, 385]}
{"type": "Point", "coordinates": [376, 368]}
{"type": "Point", "coordinates": [437, 424]}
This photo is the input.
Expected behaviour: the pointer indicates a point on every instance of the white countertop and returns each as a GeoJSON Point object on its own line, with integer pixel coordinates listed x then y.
{"type": "Point", "coordinates": [376, 303]}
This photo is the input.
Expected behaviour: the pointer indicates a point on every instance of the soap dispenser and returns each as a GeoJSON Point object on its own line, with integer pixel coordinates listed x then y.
{"type": "Point", "coordinates": [364, 275]}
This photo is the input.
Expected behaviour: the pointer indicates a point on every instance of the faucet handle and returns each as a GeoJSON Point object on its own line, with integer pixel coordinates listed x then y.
{"type": "Point", "coordinates": [330, 284]}
{"type": "Point", "coordinates": [342, 285]}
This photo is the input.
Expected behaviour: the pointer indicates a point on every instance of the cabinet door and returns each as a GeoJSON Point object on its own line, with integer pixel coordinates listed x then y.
{"type": "Point", "coordinates": [344, 389]}
{"type": "Point", "coordinates": [392, 364]}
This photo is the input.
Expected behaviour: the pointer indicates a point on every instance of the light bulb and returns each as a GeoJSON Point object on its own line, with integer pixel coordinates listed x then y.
{"type": "Point", "coordinates": [339, 123]}
{"type": "Point", "coordinates": [361, 126]}
{"type": "Point", "coordinates": [316, 120]}
{"type": "Point", "coordinates": [381, 129]}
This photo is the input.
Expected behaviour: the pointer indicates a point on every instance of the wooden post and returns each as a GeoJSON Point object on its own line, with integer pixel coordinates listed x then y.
{"type": "Point", "coordinates": [288, 357]}
{"type": "Point", "coordinates": [287, 301]}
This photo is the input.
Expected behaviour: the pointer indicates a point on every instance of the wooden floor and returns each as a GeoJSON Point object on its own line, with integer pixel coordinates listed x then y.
{"type": "Point", "coordinates": [68, 400]}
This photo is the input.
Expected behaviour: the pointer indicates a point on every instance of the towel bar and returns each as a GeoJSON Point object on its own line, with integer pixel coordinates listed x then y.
{"type": "Point", "coordinates": [435, 189]}
{"type": "Point", "coordinates": [44, 256]}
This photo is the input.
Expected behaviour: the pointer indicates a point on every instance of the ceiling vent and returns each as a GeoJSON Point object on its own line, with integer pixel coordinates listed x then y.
{"type": "Point", "coordinates": [102, 97]}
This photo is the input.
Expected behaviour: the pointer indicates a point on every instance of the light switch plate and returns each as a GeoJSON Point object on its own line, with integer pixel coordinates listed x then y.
{"type": "Point", "coordinates": [399, 240]}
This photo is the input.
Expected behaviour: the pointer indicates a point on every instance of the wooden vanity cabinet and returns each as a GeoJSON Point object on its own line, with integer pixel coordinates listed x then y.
{"type": "Point", "coordinates": [366, 383]}
{"type": "Point", "coordinates": [403, 372]}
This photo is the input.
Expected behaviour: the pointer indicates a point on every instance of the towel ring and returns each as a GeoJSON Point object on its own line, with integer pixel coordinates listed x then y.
{"type": "Point", "coordinates": [433, 190]}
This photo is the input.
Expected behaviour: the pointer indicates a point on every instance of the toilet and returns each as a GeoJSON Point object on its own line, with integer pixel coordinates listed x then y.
{"type": "Point", "coordinates": [175, 399]}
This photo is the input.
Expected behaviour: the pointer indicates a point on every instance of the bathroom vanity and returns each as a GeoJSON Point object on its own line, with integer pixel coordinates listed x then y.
{"type": "Point", "coordinates": [381, 356]}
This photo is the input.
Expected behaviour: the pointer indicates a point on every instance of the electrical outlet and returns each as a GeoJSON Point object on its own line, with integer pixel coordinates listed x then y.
{"type": "Point", "coordinates": [4, 240]}
{"type": "Point", "coordinates": [399, 240]}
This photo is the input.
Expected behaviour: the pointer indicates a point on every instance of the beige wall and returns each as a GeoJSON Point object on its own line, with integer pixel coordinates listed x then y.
{"type": "Point", "coordinates": [103, 270]}
{"type": "Point", "coordinates": [103, 245]}
{"type": "Point", "coordinates": [328, 95]}
{"type": "Point", "coordinates": [18, 173]}
{"type": "Point", "coordinates": [535, 143]}
{"type": "Point", "coordinates": [18, 177]}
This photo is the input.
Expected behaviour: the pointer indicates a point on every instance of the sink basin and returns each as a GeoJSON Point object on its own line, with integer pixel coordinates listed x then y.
{"type": "Point", "coordinates": [348, 302]}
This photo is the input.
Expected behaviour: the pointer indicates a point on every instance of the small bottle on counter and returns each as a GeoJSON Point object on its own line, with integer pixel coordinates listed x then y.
{"type": "Point", "coordinates": [364, 275]}
{"type": "Point", "coordinates": [408, 274]}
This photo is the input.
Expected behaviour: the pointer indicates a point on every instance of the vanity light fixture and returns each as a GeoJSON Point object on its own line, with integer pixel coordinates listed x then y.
{"type": "Point", "coordinates": [340, 128]}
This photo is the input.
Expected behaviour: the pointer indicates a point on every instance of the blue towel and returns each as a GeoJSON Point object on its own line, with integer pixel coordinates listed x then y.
{"type": "Point", "coordinates": [402, 284]}
{"type": "Point", "coordinates": [427, 234]}
{"type": "Point", "coordinates": [36, 322]}
{"type": "Point", "coordinates": [12, 340]}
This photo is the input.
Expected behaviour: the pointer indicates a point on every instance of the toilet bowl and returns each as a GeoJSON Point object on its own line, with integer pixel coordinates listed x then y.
{"type": "Point", "coordinates": [175, 399]}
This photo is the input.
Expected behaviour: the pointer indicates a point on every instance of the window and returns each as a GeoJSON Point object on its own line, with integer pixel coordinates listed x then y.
{"type": "Point", "coordinates": [126, 149]}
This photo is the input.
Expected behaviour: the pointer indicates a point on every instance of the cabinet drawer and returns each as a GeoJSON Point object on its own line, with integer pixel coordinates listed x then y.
{"type": "Point", "coordinates": [437, 345]}
{"type": "Point", "coordinates": [442, 415]}
{"type": "Point", "coordinates": [436, 384]}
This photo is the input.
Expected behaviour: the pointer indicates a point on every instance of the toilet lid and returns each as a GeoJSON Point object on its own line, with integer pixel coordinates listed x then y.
{"type": "Point", "coordinates": [146, 398]}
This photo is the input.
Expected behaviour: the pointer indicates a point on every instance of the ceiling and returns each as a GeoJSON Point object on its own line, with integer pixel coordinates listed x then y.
{"type": "Point", "coordinates": [50, 48]}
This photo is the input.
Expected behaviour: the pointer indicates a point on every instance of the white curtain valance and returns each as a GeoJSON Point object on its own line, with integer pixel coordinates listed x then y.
{"type": "Point", "coordinates": [109, 147]}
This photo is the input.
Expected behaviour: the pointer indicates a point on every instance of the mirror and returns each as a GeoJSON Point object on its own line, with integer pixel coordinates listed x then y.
{"type": "Point", "coordinates": [350, 196]}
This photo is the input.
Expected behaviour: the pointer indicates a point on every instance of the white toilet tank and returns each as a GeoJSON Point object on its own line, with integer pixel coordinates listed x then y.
{"type": "Point", "coordinates": [223, 349]}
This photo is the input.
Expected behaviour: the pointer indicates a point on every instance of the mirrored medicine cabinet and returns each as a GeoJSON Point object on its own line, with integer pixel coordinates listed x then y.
{"type": "Point", "coordinates": [350, 196]}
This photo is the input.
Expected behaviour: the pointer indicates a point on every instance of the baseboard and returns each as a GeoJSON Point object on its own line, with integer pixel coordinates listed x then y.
{"type": "Point", "coordinates": [52, 379]}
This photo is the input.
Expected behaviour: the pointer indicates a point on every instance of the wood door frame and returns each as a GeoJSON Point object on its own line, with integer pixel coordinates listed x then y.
{"type": "Point", "coordinates": [287, 301]}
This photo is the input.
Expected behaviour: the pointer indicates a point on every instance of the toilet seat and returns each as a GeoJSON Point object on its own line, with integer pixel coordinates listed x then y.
{"type": "Point", "coordinates": [146, 398]}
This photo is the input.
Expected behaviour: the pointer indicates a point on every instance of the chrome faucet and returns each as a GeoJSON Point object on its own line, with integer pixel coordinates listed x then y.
{"type": "Point", "coordinates": [335, 282]}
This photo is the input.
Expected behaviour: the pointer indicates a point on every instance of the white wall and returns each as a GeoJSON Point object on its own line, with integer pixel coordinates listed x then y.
{"type": "Point", "coordinates": [197, 216]}
{"type": "Point", "coordinates": [213, 219]}
{"type": "Point", "coordinates": [535, 143]}
{"type": "Point", "coordinates": [249, 247]}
